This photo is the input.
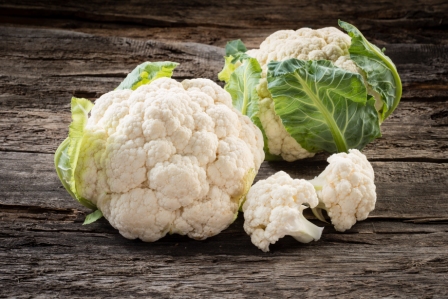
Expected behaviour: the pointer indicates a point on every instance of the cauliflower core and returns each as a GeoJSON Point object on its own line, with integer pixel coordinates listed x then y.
{"type": "Point", "coordinates": [168, 157]}
{"type": "Point", "coordinates": [273, 209]}
{"type": "Point", "coordinates": [306, 44]}
{"type": "Point", "coordinates": [346, 189]}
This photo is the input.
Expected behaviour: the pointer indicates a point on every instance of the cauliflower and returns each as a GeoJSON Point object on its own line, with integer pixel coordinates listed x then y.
{"type": "Point", "coordinates": [273, 209]}
{"type": "Point", "coordinates": [167, 157]}
{"type": "Point", "coordinates": [303, 114]}
{"type": "Point", "coordinates": [346, 189]}
{"type": "Point", "coordinates": [305, 44]}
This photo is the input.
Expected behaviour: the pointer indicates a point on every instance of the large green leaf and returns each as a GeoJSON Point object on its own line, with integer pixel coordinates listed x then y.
{"type": "Point", "coordinates": [380, 71]}
{"type": "Point", "coordinates": [323, 107]}
{"type": "Point", "coordinates": [242, 88]}
{"type": "Point", "coordinates": [66, 156]}
{"type": "Point", "coordinates": [147, 72]}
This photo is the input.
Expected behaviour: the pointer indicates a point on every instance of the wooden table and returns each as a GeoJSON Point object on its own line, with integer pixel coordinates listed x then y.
{"type": "Point", "coordinates": [53, 50]}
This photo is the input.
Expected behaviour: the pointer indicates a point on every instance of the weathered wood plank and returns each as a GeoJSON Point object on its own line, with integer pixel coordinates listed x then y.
{"type": "Point", "coordinates": [28, 179]}
{"type": "Point", "coordinates": [416, 130]}
{"type": "Point", "coordinates": [33, 130]}
{"type": "Point", "coordinates": [65, 235]}
{"type": "Point", "coordinates": [39, 72]}
{"type": "Point", "coordinates": [54, 259]}
{"type": "Point", "coordinates": [212, 22]}
{"type": "Point", "coordinates": [389, 272]}
{"type": "Point", "coordinates": [39, 79]}
{"type": "Point", "coordinates": [85, 55]}
{"type": "Point", "coordinates": [177, 13]}
{"type": "Point", "coordinates": [219, 36]}
{"type": "Point", "coordinates": [46, 73]}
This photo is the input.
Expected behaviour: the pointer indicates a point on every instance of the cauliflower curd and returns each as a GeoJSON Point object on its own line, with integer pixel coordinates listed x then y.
{"type": "Point", "coordinates": [327, 43]}
{"type": "Point", "coordinates": [168, 157]}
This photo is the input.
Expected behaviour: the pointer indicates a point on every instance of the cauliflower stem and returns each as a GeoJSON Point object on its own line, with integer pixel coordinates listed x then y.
{"type": "Point", "coordinates": [302, 229]}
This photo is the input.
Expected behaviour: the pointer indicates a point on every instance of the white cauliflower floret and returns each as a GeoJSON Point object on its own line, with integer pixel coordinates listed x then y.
{"type": "Point", "coordinates": [110, 109]}
{"type": "Point", "coordinates": [346, 189]}
{"type": "Point", "coordinates": [183, 172]}
{"type": "Point", "coordinates": [273, 209]}
{"type": "Point", "coordinates": [135, 216]}
{"type": "Point", "coordinates": [168, 157]}
{"type": "Point", "coordinates": [212, 214]}
{"type": "Point", "coordinates": [306, 44]}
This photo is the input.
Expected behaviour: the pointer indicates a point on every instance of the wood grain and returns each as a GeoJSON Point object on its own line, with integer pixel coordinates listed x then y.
{"type": "Point", "coordinates": [78, 57]}
{"type": "Point", "coordinates": [53, 258]}
{"type": "Point", "coordinates": [40, 76]}
{"type": "Point", "coordinates": [53, 50]}
{"type": "Point", "coordinates": [215, 22]}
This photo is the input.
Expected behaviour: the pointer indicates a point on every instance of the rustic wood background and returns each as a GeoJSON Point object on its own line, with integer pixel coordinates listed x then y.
{"type": "Point", "coordinates": [53, 50]}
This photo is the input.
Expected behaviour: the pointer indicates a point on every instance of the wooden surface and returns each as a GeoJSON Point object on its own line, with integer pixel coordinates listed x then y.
{"type": "Point", "coordinates": [52, 51]}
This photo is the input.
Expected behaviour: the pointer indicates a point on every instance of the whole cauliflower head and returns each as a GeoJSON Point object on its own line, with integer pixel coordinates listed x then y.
{"type": "Point", "coordinates": [306, 44]}
{"type": "Point", "coordinates": [346, 189]}
{"type": "Point", "coordinates": [273, 209]}
{"type": "Point", "coordinates": [168, 157]}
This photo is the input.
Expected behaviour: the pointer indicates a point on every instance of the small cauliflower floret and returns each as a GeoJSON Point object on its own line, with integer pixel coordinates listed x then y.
{"type": "Point", "coordinates": [273, 209]}
{"type": "Point", "coordinates": [346, 189]}
{"type": "Point", "coordinates": [184, 173]}
{"type": "Point", "coordinates": [109, 105]}
{"type": "Point", "coordinates": [306, 44]}
{"type": "Point", "coordinates": [168, 157]}
{"type": "Point", "coordinates": [202, 219]}
{"type": "Point", "coordinates": [137, 214]}
{"type": "Point", "coordinates": [233, 160]}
